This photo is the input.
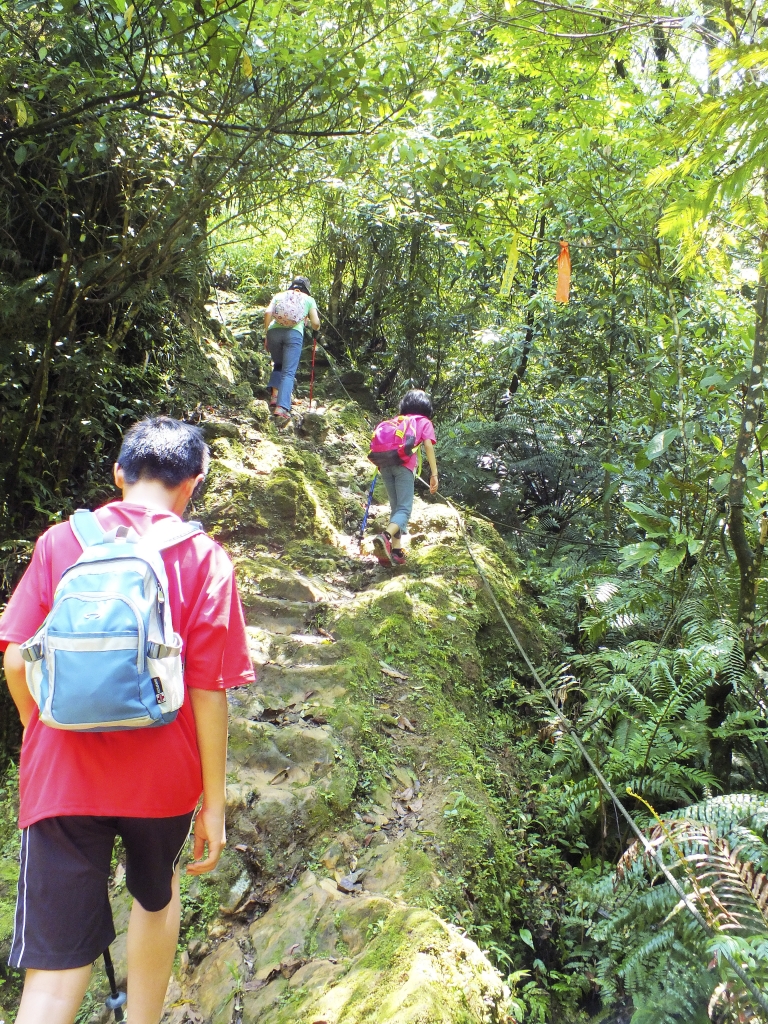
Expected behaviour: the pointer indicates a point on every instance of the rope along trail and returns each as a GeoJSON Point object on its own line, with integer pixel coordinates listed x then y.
{"type": "Point", "coordinates": [760, 998]}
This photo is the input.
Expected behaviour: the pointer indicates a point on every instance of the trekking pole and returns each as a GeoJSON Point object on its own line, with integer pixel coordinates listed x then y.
{"type": "Point", "coordinates": [115, 1001]}
{"type": "Point", "coordinates": [312, 373]}
{"type": "Point", "coordinates": [361, 531]}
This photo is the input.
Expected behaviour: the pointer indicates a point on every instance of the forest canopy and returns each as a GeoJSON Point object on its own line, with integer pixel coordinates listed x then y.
{"type": "Point", "coordinates": [421, 163]}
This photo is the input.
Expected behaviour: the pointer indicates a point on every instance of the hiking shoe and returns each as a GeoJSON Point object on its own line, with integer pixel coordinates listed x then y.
{"type": "Point", "coordinates": [398, 556]}
{"type": "Point", "coordinates": [382, 548]}
{"type": "Point", "coordinates": [281, 418]}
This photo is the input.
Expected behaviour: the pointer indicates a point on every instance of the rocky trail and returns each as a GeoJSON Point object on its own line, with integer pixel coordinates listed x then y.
{"type": "Point", "coordinates": [366, 768]}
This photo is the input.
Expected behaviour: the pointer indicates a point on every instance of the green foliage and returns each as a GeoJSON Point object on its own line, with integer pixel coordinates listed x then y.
{"type": "Point", "coordinates": [653, 948]}
{"type": "Point", "coordinates": [200, 898]}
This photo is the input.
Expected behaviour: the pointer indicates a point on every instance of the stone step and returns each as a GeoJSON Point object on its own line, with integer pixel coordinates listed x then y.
{"type": "Point", "coordinates": [278, 616]}
{"type": "Point", "coordinates": [278, 686]}
{"type": "Point", "coordinates": [307, 649]}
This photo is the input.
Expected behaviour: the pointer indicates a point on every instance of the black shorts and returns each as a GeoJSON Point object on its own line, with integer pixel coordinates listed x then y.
{"type": "Point", "coordinates": [63, 918]}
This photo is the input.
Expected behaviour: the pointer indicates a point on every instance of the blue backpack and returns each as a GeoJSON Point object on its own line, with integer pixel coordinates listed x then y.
{"type": "Point", "coordinates": [107, 656]}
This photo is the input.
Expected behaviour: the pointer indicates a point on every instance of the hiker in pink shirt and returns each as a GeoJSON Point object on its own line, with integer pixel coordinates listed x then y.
{"type": "Point", "coordinates": [393, 451]}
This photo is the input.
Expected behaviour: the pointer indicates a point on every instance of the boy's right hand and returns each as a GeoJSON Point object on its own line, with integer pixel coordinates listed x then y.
{"type": "Point", "coordinates": [433, 484]}
{"type": "Point", "coordinates": [209, 831]}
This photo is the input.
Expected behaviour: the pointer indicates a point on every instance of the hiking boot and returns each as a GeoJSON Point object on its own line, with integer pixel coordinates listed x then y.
{"type": "Point", "coordinates": [382, 548]}
{"type": "Point", "coordinates": [398, 556]}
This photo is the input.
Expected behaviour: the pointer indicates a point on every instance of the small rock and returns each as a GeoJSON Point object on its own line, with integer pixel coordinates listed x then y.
{"type": "Point", "coordinates": [352, 379]}
{"type": "Point", "coordinates": [314, 426]}
{"type": "Point", "coordinates": [332, 856]}
{"type": "Point", "coordinates": [349, 883]}
{"type": "Point", "coordinates": [259, 412]}
{"type": "Point", "coordinates": [219, 428]}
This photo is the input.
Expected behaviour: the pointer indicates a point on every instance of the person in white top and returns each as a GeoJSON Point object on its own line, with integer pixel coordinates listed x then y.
{"type": "Point", "coordinates": [284, 321]}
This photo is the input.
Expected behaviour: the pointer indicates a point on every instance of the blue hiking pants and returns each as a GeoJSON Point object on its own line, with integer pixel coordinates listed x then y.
{"type": "Point", "coordinates": [400, 482]}
{"type": "Point", "coordinates": [285, 348]}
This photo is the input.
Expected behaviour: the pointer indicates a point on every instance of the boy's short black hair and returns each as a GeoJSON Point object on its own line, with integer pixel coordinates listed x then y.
{"type": "Point", "coordinates": [164, 449]}
{"type": "Point", "coordinates": [416, 403]}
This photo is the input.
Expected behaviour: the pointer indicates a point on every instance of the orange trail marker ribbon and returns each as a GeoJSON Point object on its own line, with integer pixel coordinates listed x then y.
{"type": "Point", "coordinates": [563, 290]}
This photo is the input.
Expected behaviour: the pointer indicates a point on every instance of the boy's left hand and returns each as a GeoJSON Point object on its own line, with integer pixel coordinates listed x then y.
{"type": "Point", "coordinates": [209, 831]}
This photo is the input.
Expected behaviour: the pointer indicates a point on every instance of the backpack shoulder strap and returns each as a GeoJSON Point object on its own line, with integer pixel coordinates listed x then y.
{"type": "Point", "coordinates": [166, 533]}
{"type": "Point", "coordinates": [86, 528]}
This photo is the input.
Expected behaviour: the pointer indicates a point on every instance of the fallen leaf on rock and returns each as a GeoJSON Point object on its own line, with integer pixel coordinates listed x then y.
{"type": "Point", "coordinates": [391, 672]}
{"type": "Point", "coordinates": [398, 808]}
{"type": "Point", "coordinates": [288, 970]}
{"type": "Point", "coordinates": [241, 848]}
{"type": "Point", "coordinates": [281, 776]}
{"type": "Point", "coordinates": [326, 634]}
{"type": "Point", "coordinates": [375, 819]}
{"type": "Point", "coordinates": [405, 725]}
{"type": "Point", "coordinates": [415, 805]}
{"type": "Point", "coordinates": [293, 948]}
{"type": "Point", "coordinates": [406, 794]}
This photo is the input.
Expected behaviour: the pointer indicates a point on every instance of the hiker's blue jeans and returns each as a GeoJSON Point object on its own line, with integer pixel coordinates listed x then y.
{"type": "Point", "coordinates": [400, 482]}
{"type": "Point", "coordinates": [285, 348]}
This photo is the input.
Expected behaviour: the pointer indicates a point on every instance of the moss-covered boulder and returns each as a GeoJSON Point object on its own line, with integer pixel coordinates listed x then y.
{"type": "Point", "coordinates": [322, 955]}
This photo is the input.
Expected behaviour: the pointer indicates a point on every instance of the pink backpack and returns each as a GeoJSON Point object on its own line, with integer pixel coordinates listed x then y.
{"type": "Point", "coordinates": [290, 308]}
{"type": "Point", "coordinates": [393, 442]}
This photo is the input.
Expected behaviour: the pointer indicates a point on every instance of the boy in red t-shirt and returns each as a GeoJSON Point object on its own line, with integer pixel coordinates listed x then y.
{"type": "Point", "coordinates": [79, 790]}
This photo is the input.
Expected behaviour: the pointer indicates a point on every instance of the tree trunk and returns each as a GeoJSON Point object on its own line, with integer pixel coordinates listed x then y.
{"type": "Point", "coordinates": [522, 366]}
{"type": "Point", "coordinates": [748, 559]}
{"type": "Point", "coordinates": [720, 750]}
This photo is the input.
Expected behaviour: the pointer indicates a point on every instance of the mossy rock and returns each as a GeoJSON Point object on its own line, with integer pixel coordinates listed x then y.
{"type": "Point", "coordinates": [213, 429]}
{"type": "Point", "coordinates": [294, 508]}
{"type": "Point", "coordinates": [232, 501]}
{"type": "Point", "coordinates": [396, 965]}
